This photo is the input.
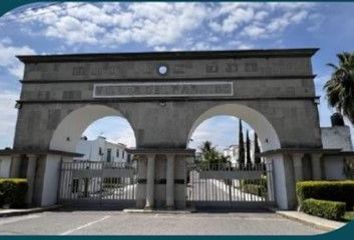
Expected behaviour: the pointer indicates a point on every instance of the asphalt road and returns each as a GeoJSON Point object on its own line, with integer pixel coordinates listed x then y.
{"type": "Point", "coordinates": [119, 223]}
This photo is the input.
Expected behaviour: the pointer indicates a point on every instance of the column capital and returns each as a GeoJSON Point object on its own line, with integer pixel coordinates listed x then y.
{"type": "Point", "coordinates": [150, 155]}
{"type": "Point", "coordinates": [16, 156]}
{"type": "Point", "coordinates": [317, 155]}
{"type": "Point", "coordinates": [298, 155]}
{"type": "Point", "coordinates": [32, 156]}
{"type": "Point", "coordinates": [170, 156]}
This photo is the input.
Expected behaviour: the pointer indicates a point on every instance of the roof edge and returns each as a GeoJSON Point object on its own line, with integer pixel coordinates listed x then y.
{"type": "Point", "coordinates": [138, 56]}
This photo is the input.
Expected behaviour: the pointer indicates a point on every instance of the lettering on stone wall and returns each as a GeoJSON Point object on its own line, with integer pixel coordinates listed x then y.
{"type": "Point", "coordinates": [171, 89]}
{"type": "Point", "coordinates": [251, 67]}
{"type": "Point", "coordinates": [43, 95]}
{"type": "Point", "coordinates": [231, 67]}
{"type": "Point", "coordinates": [70, 95]}
{"type": "Point", "coordinates": [211, 68]}
{"type": "Point", "coordinates": [95, 70]}
{"type": "Point", "coordinates": [181, 68]}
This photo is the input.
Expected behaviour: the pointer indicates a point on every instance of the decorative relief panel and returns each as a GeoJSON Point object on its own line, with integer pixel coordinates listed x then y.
{"type": "Point", "coordinates": [171, 89]}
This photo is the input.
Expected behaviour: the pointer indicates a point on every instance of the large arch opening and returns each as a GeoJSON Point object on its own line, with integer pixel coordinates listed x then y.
{"type": "Point", "coordinates": [267, 135]}
{"type": "Point", "coordinates": [220, 175]}
{"type": "Point", "coordinates": [90, 122]}
{"type": "Point", "coordinates": [105, 170]}
{"type": "Point", "coordinates": [228, 136]}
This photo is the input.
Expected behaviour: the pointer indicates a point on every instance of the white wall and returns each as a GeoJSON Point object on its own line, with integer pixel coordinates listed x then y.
{"type": "Point", "coordinates": [337, 137]}
{"type": "Point", "coordinates": [122, 157]}
{"type": "Point", "coordinates": [90, 149]}
{"type": "Point", "coordinates": [51, 180]}
{"type": "Point", "coordinates": [279, 181]}
{"type": "Point", "coordinates": [334, 168]}
{"type": "Point", "coordinates": [5, 165]}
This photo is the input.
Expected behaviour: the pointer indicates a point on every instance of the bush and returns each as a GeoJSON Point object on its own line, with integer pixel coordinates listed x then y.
{"type": "Point", "coordinates": [255, 189]}
{"type": "Point", "coordinates": [341, 191]}
{"type": "Point", "coordinates": [323, 208]}
{"type": "Point", "coordinates": [13, 192]}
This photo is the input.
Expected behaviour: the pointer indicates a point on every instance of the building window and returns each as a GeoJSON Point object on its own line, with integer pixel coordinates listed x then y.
{"type": "Point", "coordinates": [100, 151]}
{"type": "Point", "coordinates": [117, 154]}
{"type": "Point", "coordinates": [123, 154]}
{"type": "Point", "coordinates": [109, 151]}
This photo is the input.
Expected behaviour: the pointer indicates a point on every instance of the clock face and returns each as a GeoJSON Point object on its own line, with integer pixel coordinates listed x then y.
{"type": "Point", "coordinates": [162, 69]}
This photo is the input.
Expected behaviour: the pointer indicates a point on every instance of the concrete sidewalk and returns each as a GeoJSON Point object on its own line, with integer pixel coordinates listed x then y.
{"type": "Point", "coordinates": [18, 212]}
{"type": "Point", "coordinates": [314, 221]}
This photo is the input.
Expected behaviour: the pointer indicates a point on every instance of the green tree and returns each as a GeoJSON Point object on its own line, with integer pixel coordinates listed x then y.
{"type": "Point", "coordinates": [248, 150]}
{"type": "Point", "coordinates": [241, 145]}
{"type": "Point", "coordinates": [340, 87]}
{"type": "Point", "coordinates": [257, 159]}
{"type": "Point", "coordinates": [211, 156]}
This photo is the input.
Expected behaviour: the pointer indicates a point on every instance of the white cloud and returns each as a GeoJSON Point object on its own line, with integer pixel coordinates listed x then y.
{"type": "Point", "coordinates": [149, 23]}
{"type": "Point", "coordinates": [8, 61]}
{"type": "Point", "coordinates": [262, 20]}
{"type": "Point", "coordinates": [7, 117]}
{"type": "Point", "coordinates": [165, 25]}
{"type": "Point", "coordinates": [253, 31]}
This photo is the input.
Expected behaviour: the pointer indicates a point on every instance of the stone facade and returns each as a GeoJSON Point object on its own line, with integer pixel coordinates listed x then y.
{"type": "Point", "coordinates": [272, 90]}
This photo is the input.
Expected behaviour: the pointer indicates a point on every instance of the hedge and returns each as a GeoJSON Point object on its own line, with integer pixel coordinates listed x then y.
{"type": "Point", "coordinates": [323, 208]}
{"type": "Point", "coordinates": [13, 192]}
{"type": "Point", "coordinates": [341, 191]}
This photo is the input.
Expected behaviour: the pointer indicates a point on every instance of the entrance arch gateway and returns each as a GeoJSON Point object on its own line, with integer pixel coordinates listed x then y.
{"type": "Point", "coordinates": [164, 96]}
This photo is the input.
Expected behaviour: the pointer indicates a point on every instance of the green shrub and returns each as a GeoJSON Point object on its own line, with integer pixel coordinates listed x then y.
{"type": "Point", "coordinates": [255, 189]}
{"type": "Point", "coordinates": [342, 191]}
{"type": "Point", "coordinates": [13, 192]}
{"type": "Point", "coordinates": [261, 181]}
{"type": "Point", "coordinates": [323, 208]}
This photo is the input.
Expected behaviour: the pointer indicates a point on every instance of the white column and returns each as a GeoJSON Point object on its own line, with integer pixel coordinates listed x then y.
{"type": "Point", "coordinates": [316, 166]}
{"type": "Point", "coordinates": [15, 166]}
{"type": "Point", "coordinates": [30, 175]}
{"type": "Point", "coordinates": [270, 184]}
{"type": "Point", "coordinates": [170, 181]}
{"type": "Point", "coordinates": [298, 170]}
{"type": "Point", "coordinates": [150, 175]}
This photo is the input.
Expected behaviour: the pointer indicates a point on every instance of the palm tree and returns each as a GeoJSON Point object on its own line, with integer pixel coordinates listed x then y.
{"type": "Point", "coordinates": [340, 87]}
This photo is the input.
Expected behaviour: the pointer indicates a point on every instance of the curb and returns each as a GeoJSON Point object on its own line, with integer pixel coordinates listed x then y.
{"type": "Point", "coordinates": [321, 226]}
{"type": "Point", "coordinates": [19, 212]}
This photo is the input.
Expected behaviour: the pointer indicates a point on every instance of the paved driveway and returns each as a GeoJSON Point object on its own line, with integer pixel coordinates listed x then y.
{"type": "Point", "coordinates": [119, 223]}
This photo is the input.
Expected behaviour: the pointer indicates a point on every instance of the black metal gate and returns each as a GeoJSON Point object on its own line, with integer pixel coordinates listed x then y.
{"type": "Point", "coordinates": [98, 184]}
{"type": "Point", "coordinates": [221, 185]}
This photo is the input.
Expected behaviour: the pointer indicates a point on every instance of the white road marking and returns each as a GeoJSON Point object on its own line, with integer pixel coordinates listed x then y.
{"type": "Point", "coordinates": [86, 225]}
{"type": "Point", "coordinates": [17, 219]}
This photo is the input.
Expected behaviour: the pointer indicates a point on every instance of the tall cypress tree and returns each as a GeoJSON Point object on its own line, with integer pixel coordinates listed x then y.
{"type": "Point", "coordinates": [241, 145]}
{"type": "Point", "coordinates": [248, 150]}
{"type": "Point", "coordinates": [257, 159]}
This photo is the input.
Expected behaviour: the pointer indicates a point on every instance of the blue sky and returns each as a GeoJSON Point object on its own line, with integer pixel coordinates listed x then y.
{"type": "Point", "coordinates": [132, 27]}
